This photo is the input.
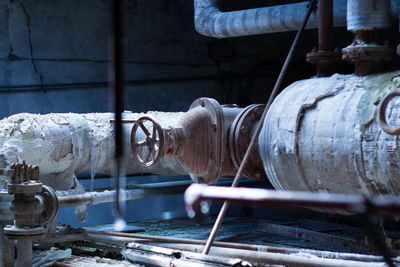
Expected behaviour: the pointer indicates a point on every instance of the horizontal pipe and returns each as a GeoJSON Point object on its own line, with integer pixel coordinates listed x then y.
{"type": "Point", "coordinates": [335, 203]}
{"type": "Point", "coordinates": [211, 21]}
{"type": "Point", "coordinates": [95, 198]}
{"type": "Point", "coordinates": [106, 195]}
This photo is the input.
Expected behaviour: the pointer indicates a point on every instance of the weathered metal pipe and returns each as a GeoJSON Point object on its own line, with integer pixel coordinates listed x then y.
{"type": "Point", "coordinates": [210, 21]}
{"type": "Point", "coordinates": [95, 198]}
{"type": "Point", "coordinates": [324, 56]}
{"type": "Point", "coordinates": [321, 134]}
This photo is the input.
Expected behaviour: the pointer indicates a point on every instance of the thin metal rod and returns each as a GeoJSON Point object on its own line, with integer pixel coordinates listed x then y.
{"type": "Point", "coordinates": [246, 157]}
{"type": "Point", "coordinates": [116, 93]}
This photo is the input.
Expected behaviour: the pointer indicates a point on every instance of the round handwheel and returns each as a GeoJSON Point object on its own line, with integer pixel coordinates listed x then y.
{"type": "Point", "coordinates": [382, 113]}
{"type": "Point", "coordinates": [146, 152]}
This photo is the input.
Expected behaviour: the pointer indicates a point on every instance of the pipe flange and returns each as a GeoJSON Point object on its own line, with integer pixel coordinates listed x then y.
{"type": "Point", "coordinates": [240, 135]}
{"type": "Point", "coordinates": [50, 205]}
{"type": "Point", "coordinates": [18, 233]}
{"type": "Point", "coordinates": [367, 52]}
{"type": "Point", "coordinates": [30, 187]}
{"type": "Point", "coordinates": [367, 57]}
{"type": "Point", "coordinates": [316, 56]}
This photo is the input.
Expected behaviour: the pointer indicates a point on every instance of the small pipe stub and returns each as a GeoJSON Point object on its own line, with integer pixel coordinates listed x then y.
{"type": "Point", "coordinates": [367, 54]}
{"type": "Point", "coordinates": [324, 60]}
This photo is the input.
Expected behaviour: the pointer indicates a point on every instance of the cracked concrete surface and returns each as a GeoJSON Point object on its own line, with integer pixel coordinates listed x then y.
{"type": "Point", "coordinates": [61, 42]}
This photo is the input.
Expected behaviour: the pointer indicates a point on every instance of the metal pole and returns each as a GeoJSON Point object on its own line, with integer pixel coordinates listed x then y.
{"type": "Point", "coordinates": [246, 157]}
{"type": "Point", "coordinates": [6, 250]}
{"type": "Point", "coordinates": [116, 90]}
{"type": "Point", "coordinates": [24, 253]}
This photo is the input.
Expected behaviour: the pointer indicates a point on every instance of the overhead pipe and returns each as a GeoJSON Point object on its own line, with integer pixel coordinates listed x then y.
{"type": "Point", "coordinates": [210, 21]}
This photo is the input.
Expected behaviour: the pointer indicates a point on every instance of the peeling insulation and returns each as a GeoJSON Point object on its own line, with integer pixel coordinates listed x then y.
{"type": "Point", "coordinates": [63, 145]}
{"type": "Point", "coordinates": [321, 134]}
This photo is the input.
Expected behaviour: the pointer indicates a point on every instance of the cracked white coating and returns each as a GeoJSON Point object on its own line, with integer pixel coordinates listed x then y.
{"type": "Point", "coordinates": [65, 144]}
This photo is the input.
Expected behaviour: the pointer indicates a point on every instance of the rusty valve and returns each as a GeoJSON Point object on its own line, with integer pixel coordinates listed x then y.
{"type": "Point", "coordinates": [382, 113]}
{"type": "Point", "coordinates": [148, 151]}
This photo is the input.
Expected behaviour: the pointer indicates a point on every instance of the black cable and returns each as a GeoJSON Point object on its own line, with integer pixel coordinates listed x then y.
{"type": "Point", "coordinates": [116, 92]}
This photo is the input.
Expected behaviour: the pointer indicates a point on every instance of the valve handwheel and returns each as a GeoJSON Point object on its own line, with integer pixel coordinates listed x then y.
{"type": "Point", "coordinates": [148, 151]}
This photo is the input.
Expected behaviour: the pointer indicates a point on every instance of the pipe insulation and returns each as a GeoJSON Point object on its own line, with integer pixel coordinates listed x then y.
{"type": "Point", "coordinates": [321, 134]}
{"type": "Point", "coordinates": [210, 21]}
{"type": "Point", "coordinates": [63, 145]}
{"type": "Point", "coordinates": [368, 14]}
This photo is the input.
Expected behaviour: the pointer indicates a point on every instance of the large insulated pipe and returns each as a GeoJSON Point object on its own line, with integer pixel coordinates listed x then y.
{"type": "Point", "coordinates": [210, 21]}
{"type": "Point", "coordinates": [322, 134]}
{"type": "Point", "coordinates": [63, 145]}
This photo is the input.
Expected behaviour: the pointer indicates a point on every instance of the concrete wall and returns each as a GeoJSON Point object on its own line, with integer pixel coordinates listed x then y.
{"type": "Point", "coordinates": [56, 42]}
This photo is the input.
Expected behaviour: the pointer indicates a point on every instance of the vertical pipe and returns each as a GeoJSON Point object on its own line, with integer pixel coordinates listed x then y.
{"type": "Point", "coordinates": [325, 25]}
{"type": "Point", "coordinates": [6, 250]}
{"type": "Point", "coordinates": [24, 253]}
{"type": "Point", "coordinates": [368, 14]}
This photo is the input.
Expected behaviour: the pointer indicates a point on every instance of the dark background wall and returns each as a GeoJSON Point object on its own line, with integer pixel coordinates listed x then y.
{"type": "Point", "coordinates": [54, 57]}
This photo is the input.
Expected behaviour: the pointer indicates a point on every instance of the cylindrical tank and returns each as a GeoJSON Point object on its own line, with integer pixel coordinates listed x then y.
{"type": "Point", "coordinates": [321, 134]}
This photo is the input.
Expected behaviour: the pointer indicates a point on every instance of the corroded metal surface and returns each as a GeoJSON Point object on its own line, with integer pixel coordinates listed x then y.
{"type": "Point", "coordinates": [153, 142]}
{"type": "Point", "coordinates": [240, 134]}
{"type": "Point", "coordinates": [325, 56]}
{"type": "Point", "coordinates": [322, 135]}
{"type": "Point", "coordinates": [200, 142]}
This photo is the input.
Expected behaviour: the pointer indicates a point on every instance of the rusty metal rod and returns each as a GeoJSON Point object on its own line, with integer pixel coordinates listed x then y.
{"type": "Point", "coordinates": [325, 25]}
{"type": "Point", "coordinates": [353, 204]}
{"type": "Point", "coordinates": [253, 141]}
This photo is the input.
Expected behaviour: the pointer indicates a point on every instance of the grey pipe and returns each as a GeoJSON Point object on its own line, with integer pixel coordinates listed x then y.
{"type": "Point", "coordinates": [368, 14]}
{"type": "Point", "coordinates": [210, 21]}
